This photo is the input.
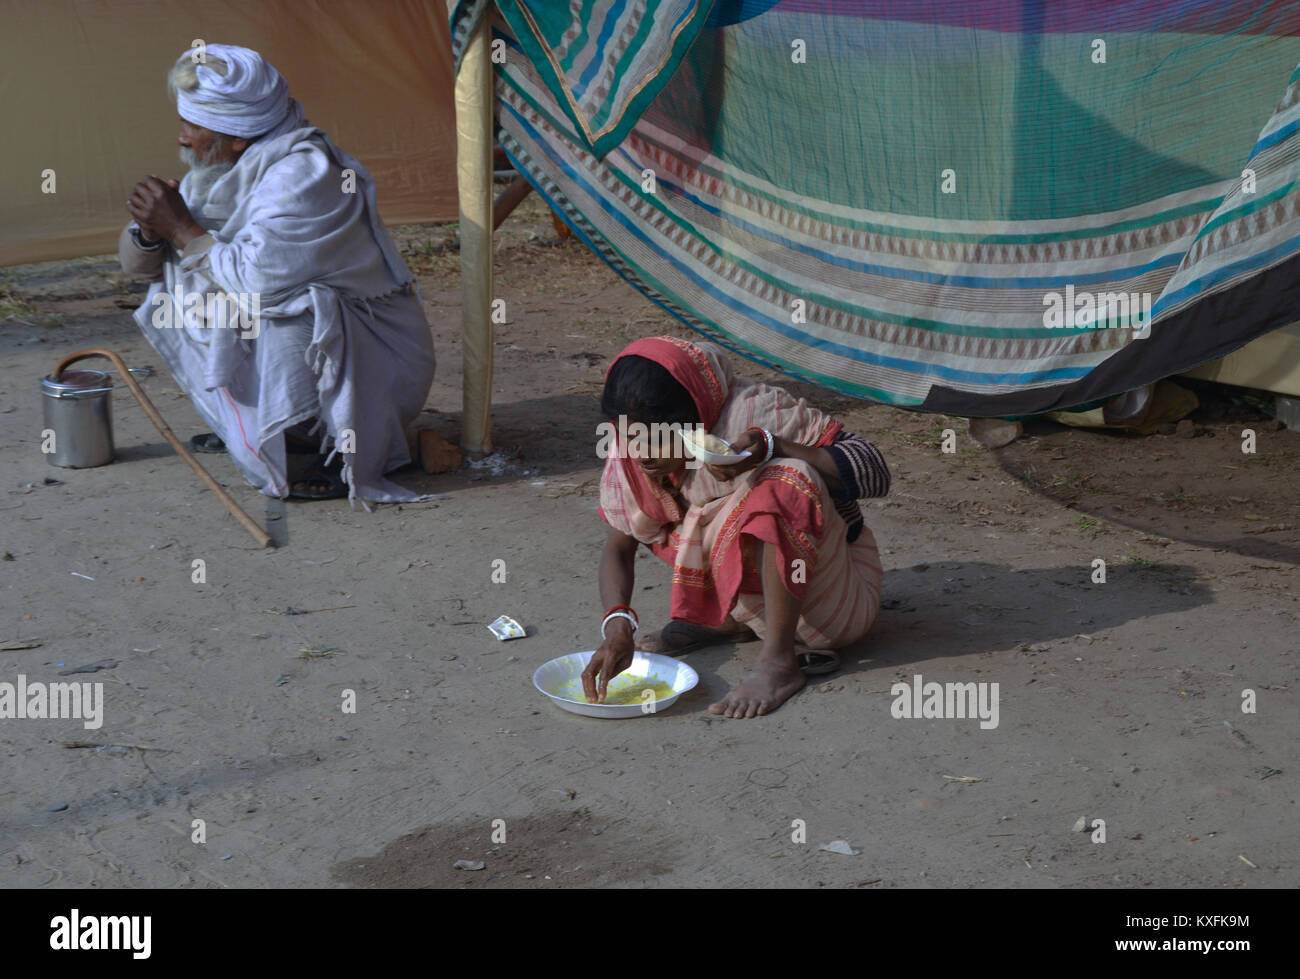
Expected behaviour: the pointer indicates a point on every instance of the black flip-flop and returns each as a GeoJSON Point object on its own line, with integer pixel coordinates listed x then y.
{"type": "Point", "coordinates": [331, 476]}
{"type": "Point", "coordinates": [207, 442]}
{"type": "Point", "coordinates": [818, 662]}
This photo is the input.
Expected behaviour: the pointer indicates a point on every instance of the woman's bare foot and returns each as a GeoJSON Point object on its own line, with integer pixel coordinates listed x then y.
{"type": "Point", "coordinates": [679, 637]}
{"type": "Point", "coordinates": [769, 686]}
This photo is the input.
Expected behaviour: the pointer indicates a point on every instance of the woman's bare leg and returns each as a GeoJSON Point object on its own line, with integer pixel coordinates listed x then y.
{"type": "Point", "coordinates": [776, 676]}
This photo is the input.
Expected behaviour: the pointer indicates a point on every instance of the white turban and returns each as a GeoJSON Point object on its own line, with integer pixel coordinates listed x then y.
{"type": "Point", "coordinates": [252, 98]}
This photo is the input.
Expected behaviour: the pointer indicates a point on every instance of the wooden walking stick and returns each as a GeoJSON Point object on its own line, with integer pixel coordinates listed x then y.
{"type": "Point", "coordinates": [249, 524]}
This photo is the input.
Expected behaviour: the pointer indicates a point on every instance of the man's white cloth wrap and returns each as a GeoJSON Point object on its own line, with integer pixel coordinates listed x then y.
{"type": "Point", "coordinates": [250, 99]}
{"type": "Point", "coordinates": [343, 337]}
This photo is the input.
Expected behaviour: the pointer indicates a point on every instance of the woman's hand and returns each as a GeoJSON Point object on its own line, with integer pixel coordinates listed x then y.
{"type": "Point", "coordinates": [617, 579]}
{"type": "Point", "coordinates": [752, 442]}
{"type": "Point", "coordinates": [612, 658]}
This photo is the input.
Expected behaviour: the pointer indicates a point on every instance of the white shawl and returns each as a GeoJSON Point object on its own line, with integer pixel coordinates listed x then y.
{"type": "Point", "coordinates": [287, 228]}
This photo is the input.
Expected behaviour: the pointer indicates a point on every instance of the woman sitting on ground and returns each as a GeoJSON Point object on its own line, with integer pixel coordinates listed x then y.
{"type": "Point", "coordinates": [773, 547]}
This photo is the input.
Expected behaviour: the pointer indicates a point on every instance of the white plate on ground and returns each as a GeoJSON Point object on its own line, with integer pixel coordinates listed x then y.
{"type": "Point", "coordinates": [561, 680]}
{"type": "Point", "coordinates": [706, 455]}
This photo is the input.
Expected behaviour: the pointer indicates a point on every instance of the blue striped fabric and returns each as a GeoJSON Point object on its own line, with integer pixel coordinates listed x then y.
{"type": "Point", "coordinates": [981, 210]}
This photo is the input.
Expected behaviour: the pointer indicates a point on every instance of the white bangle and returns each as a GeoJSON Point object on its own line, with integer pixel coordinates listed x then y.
{"type": "Point", "coordinates": [771, 446]}
{"type": "Point", "coordinates": [619, 615]}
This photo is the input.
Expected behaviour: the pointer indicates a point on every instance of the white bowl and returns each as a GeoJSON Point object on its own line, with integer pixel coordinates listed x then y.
{"type": "Point", "coordinates": [712, 458]}
{"type": "Point", "coordinates": [561, 680]}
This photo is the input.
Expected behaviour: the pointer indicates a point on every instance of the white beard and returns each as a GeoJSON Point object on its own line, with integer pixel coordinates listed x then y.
{"type": "Point", "coordinates": [202, 177]}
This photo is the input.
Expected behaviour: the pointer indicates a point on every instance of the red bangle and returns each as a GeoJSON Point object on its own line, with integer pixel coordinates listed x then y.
{"type": "Point", "coordinates": [623, 608]}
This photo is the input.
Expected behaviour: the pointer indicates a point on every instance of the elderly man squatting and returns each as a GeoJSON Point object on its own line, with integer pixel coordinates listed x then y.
{"type": "Point", "coordinates": [335, 360]}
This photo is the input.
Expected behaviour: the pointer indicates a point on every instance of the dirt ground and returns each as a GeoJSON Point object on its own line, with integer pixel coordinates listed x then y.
{"type": "Point", "coordinates": [1119, 701]}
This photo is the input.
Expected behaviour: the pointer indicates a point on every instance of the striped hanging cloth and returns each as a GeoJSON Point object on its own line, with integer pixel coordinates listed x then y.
{"type": "Point", "coordinates": [996, 208]}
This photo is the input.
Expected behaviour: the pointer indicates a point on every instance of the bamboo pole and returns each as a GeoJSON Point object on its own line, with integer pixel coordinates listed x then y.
{"type": "Point", "coordinates": [474, 179]}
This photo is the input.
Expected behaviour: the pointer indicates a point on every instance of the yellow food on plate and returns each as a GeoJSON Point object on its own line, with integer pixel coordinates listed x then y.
{"type": "Point", "coordinates": [623, 690]}
{"type": "Point", "coordinates": [634, 690]}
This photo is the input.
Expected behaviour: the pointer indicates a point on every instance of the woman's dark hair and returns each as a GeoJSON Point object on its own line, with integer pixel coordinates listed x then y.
{"type": "Point", "coordinates": [644, 391]}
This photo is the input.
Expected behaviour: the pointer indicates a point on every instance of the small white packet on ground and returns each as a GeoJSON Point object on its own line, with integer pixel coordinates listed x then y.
{"type": "Point", "coordinates": [507, 628]}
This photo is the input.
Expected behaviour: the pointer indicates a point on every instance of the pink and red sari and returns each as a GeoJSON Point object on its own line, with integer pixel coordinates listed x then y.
{"type": "Point", "coordinates": [707, 530]}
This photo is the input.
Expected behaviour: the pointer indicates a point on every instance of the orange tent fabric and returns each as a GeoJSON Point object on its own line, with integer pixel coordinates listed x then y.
{"type": "Point", "coordinates": [84, 88]}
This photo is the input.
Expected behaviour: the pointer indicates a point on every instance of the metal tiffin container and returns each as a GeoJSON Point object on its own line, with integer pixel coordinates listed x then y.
{"type": "Point", "coordinates": [78, 419]}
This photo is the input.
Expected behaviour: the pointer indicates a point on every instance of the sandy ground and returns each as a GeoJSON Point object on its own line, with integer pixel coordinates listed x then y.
{"type": "Point", "coordinates": [1119, 701]}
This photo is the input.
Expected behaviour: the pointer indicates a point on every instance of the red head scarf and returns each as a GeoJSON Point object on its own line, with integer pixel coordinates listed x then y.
{"type": "Point", "coordinates": [705, 375]}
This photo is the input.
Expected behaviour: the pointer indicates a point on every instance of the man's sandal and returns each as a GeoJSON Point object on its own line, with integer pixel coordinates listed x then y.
{"type": "Point", "coordinates": [328, 481]}
{"type": "Point", "coordinates": [207, 442]}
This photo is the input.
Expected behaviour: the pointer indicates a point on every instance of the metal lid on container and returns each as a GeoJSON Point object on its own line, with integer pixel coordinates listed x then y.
{"type": "Point", "coordinates": [77, 384]}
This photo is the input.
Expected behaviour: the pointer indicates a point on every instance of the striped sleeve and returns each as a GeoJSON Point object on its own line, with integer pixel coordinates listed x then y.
{"type": "Point", "coordinates": [863, 473]}
{"type": "Point", "coordinates": [862, 469]}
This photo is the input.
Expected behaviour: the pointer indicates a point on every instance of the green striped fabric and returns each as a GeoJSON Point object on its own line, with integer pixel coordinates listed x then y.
{"type": "Point", "coordinates": [602, 61]}
{"type": "Point", "coordinates": [981, 211]}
